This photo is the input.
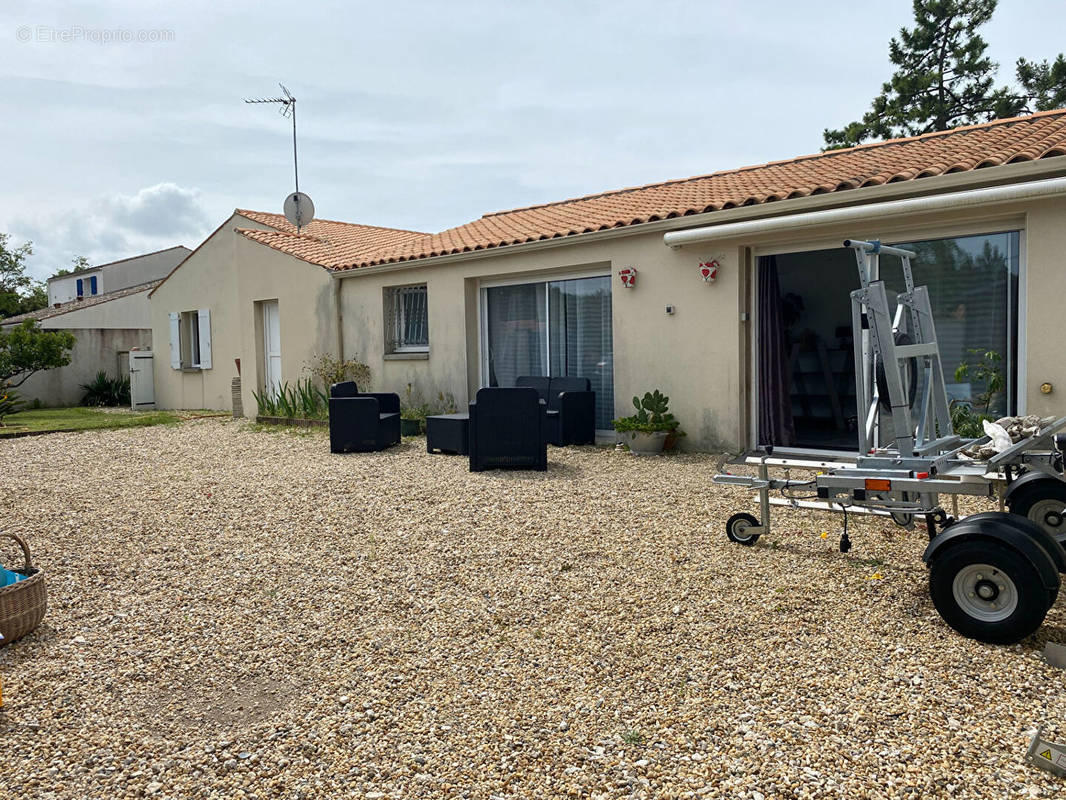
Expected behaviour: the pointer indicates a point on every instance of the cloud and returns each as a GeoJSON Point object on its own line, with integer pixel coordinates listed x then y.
{"type": "Point", "coordinates": [165, 209]}
{"type": "Point", "coordinates": [114, 227]}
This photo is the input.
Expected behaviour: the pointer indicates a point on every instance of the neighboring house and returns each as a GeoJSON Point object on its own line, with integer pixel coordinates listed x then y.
{"type": "Point", "coordinates": [107, 278]}
{"type": "Point", "coordinates": [537, 290]}
{"type": "Point", "coordinates": [105, 328]}
{"type": "Point", "coordinates": [254, 292]}
{"type": "Point", "coordinates": [106, 308]}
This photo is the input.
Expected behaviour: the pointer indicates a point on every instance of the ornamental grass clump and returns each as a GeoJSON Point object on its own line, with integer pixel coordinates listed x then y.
{"type": "Point", "coordinates": [303, 400]}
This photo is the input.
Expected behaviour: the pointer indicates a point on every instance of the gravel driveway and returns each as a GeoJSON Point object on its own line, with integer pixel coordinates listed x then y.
{"type": "Point", "coordinates": [237, 612]}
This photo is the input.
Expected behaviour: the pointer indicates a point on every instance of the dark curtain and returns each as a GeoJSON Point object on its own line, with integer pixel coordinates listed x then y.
{"type": "Point", "coordinates": [775, 406]}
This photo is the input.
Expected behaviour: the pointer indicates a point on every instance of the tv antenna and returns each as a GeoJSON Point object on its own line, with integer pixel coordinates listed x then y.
{"type": "Point", "coordinates": [299, 210]}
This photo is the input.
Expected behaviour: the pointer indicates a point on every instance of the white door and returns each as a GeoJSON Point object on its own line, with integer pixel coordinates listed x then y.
{"type": "Point", "coordinates": [142, 379]}
{"type": "Point", "coordinates": [271, 348]}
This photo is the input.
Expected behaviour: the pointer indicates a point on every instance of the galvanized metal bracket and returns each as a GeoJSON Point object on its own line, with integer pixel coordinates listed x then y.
{"type": "Point", "coordinates": [1047, 755]}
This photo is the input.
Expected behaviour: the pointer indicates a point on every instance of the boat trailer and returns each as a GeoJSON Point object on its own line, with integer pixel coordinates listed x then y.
{"type": "Point", "coordinates": [992, 576]}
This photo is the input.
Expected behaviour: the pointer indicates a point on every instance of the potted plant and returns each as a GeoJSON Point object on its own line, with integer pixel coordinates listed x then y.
{"type": "Point", "coordinates": [646, 431]}
{"type": "Point", "coordinates": [413, 413]}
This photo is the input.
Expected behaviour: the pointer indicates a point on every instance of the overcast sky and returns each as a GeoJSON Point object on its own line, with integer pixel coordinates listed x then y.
{"type": "Point", "coordinates": [418, 115]}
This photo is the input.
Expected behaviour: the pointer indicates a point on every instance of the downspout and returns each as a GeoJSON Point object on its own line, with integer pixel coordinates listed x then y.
{"type": "Point", "coordinates": [1034, 190]}
{"type": "Point", "coordinates": [338, 318]}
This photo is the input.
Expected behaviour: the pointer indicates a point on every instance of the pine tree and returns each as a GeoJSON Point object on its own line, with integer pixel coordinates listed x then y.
{"type": "Point", "coordinates": [1044, 83]}
{"type": "Point", "coordinates": [944, 78]}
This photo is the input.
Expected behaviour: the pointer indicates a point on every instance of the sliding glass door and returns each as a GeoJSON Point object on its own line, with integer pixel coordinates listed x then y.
{"type": "Point", "coordinates": [556, 328]}
{"type": "Point", "coordinates": [806, 375]}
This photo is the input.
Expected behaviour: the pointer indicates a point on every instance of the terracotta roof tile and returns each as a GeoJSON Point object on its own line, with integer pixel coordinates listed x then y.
{"type": "Point", "coordinates": [77, 305]}
{"type": "Point", "coordinates": [325, 242]}
{"type": "Point", "coordinates": [982, 146]}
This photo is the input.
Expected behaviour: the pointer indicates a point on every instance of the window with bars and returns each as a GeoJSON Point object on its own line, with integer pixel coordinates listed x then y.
{"type": "Point", "coordinates": [407, 319]}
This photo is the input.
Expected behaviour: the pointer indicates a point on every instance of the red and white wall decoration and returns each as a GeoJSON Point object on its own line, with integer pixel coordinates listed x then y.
{"type": "Point", "coordinates": [628, 276]}
{"type": "Point", "coordinates": [709, 268]}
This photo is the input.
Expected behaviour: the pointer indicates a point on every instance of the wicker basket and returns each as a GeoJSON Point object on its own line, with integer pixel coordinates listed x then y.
{"type": "Point", "coordinates": [22, 604]}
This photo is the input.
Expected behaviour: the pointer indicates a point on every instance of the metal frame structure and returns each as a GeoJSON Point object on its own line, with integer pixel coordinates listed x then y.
{"type": "Point", "coordinates": [900, 383]}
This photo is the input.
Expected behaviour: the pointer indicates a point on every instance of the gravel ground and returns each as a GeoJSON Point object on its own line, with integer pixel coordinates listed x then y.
{"type": "Point", "coordinates": [236, 612]}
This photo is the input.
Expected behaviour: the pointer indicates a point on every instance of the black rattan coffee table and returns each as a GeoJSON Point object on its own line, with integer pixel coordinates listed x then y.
{"type": "Point", "coordinates": [448, 433]}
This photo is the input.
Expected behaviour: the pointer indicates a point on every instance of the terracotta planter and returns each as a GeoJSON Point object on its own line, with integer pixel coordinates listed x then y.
{"type": "Point", "coordinates": [643, 444]}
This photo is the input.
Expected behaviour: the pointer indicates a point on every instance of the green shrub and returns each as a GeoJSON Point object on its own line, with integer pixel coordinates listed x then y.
{"type": "Point", "coordinates": [329, 370]}
{"type": "Point", "coordinates": [966, 422]}
{"type": "Point", "coordinates": [104, 390]}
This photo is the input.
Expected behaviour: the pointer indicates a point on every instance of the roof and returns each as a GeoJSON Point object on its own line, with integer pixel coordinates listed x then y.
{"type": "Point", "coordinates": [77, 305]}
{"type": "Point", "coordinates": [325, 242]}
{"type": "Point", "coordinates": [120, 261]}
{"type": "Point", "coordinates": [992, 144]}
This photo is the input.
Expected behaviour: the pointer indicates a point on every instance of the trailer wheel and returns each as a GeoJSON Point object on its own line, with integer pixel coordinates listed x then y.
{"type": "Point", "coordinates": [1033, 531]}
{"type": "Point", "coordinates": [1043, 500]}
{"type": "Point", "coordinates": [737, 526]}
{"type": "Point", "coordinates": [987, 590]}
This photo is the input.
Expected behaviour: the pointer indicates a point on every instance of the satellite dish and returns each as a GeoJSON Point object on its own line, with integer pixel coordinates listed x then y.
{"type": "Point", "coordinates": [299, 210]}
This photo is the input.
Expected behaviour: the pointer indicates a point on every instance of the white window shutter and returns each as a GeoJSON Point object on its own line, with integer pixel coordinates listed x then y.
{"type": "Point", "coordinates": [175, 340]}
{"type": "Point", "coordinates": [203, 318]}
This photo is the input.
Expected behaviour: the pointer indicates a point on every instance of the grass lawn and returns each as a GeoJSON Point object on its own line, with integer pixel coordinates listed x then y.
{"type": "Point", "coordinates": [47, 420]}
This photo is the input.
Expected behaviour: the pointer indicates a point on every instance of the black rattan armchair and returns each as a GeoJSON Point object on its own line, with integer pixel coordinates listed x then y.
{"type": "Point", "coordinates": [360, 422]}
{"type": "Point", "coordinates": [571, 408]}
{"type": "Point", "coordinates": [507, 430]}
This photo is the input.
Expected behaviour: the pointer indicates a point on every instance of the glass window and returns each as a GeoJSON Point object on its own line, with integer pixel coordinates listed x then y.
{"type": "Point", "coordinates": [556, 328]}
{"type": "Point", "coordinates": [190, 340]}
{"type": "Point", "coordinates": [517, 332]}
{"type": "Point", "coordinates": [407, 323]}
{"type": "Point", "coordinates": [973, 289]}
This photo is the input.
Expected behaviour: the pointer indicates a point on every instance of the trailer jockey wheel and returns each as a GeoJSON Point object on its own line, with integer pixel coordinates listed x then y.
{"type": "Point", "coordinates": [1042, 499]}
{"type": "Point", "coordinates": [987, 590]}
{"type": "Point", "coordinates": [737, 526]}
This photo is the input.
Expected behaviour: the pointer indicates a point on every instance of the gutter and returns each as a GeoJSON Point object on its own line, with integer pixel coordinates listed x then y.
{"type": "Point", "coordinates": [851, 198]}
{"type": "Point", "coordinates": [1033, 190]}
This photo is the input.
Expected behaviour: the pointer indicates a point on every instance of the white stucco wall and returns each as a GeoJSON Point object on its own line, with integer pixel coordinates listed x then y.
{"type": "Point", "coordinates": [130, 311]}
{"type": "Point", "coordinates": [691, 355]}
{"type": "Point", "coordinates": [702, 356]}
{"type": "Point", "coordinates": [228, 274]}
{"type": "Point", "coordinates": [95, 350]}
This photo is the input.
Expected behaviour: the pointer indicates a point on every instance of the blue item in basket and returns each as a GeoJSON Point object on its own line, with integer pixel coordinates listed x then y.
{"type": "Point", "coordinates": [7, 577]}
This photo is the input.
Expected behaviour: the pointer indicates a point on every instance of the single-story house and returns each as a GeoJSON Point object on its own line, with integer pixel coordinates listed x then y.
{"type": "Point", "coordinates": [538, 290]}
{"type": "Point", "coordinates": [106, 308]}
{"type": "Point", "coordinates": [617, 287]}
{"type": "Point", "coordinates": [255, 300]}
